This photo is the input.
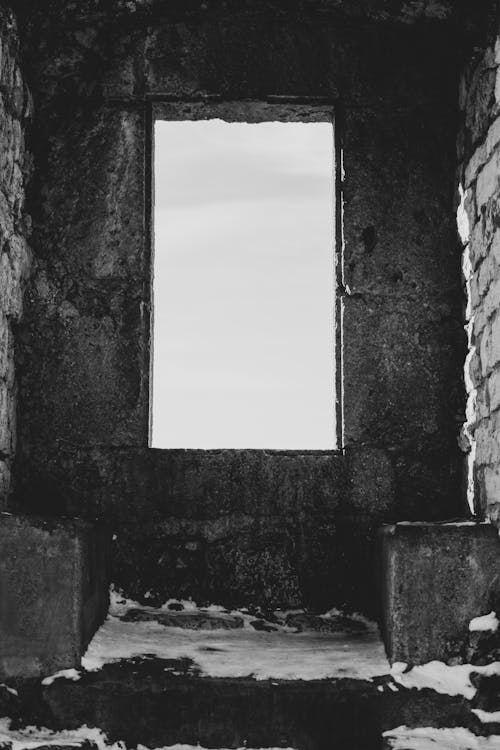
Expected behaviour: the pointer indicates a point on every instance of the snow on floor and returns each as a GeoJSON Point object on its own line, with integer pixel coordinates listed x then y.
{"type": "Point", "coordinates": [445, 523]}
{"type": "Point", "coordinates": [442, 678]}
{"type": "Point", "coordinates": [68, 674]}
{"type": "Point", "coordinates": [32, 737]}
{"type": "Point", "coordinates": [281, 655]}
{"type": "Point", "coordinates": [243, 652]}
{"type": "Point", "coordinates": [487, 623]}
{"type": "Point", "coordinates": [487, 717]}
{"type": "Point", "coordinates": [428, 738]}
{"type": "Point", "coordinates": [451, 680]}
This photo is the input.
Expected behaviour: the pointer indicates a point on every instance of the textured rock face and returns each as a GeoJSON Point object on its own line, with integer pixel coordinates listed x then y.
{"type": "Point", "coordinates": [15, 109]}
{"type": "Point", "coordinates": [478, 222]}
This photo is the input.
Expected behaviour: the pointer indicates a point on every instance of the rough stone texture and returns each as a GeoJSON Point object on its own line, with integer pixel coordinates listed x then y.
{"type": "Point", "coordinates": [482, 647]}
{"type": "Point", "coordinates": [405, 12]}
{"type": "Point", "coordinates": [54, 582]}
{"type": "Point", "coordinates": [333, 624]}
{"type": "Point", "coordinates": [187, 619]}
{"type": "Point", "coordinates": [234, 527]}
{"type": "Point", "coordinates": [15, 111]}
{"type": "Point", "coordinates": [434, 579]}
{"type": "Point", "coordinates": [243, 527]}
{"type": "Point", "coordinates": [478, 214]}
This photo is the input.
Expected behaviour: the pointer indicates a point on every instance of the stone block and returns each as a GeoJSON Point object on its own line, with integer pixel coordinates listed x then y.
{"type": "Point", "coordinates": [54, 583]}
{"type": "Point", "coordinates": [487, 181]}
{"type": "Point", "coordinates": [487, 437]}
{"type": "Point", "coordinates": [434, 579]}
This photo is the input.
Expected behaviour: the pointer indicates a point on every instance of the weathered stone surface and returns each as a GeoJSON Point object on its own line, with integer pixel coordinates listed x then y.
{"type": "Point", "coordinates": [233, 527]}
{"type": "Point", "coordinates": [333, 624]}
{"type": "Point", "coordinates": [97, 361]}
{"type": "Point", "coordinates": [401, 11]}
{"type": "Point", "coordinates": [482, 647]}
{"type": "Point", "coordinates": [54, 581]}
{"type": "Point", "coordinates": [15, 258]}
{"type": "Point", "coordinates": [488, 180]}
{"type": "Point", "coordinates": [402, 328]}
{"type": "Point", "coordinates": [479, 81]}
{"type": "Point", "coordinates": [487, 438]}
{"type": "Point", "coordinates": [480, 171]}
{"type": "Point", "coordinates": [187, 619]}
{"type": "Point", "coordinates": [434, 579]}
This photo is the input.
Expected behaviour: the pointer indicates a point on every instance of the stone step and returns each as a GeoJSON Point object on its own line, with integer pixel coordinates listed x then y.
{"type": "Point", "coordinates": [157, 703]}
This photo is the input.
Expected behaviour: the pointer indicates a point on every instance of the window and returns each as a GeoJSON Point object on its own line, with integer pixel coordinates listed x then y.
{"type": "Point", "coordinates": [243, 285]}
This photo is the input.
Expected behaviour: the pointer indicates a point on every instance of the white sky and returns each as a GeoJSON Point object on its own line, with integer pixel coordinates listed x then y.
{"type": "Point", "coordinates": [243, 287]}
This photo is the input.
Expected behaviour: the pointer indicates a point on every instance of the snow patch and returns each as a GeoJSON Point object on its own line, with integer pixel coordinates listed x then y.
{"type": "Point", "coordinates": [31, 737]}
{"type": "Point", "coordinates": [10, 690]}
{"type": "Point", "coordinates": [486, 717]}
{"type": "Point", "coordinates": [197, 747]}
{"type": "Point", "coordinates": [484, 623]}
{"type": "Point", "coordinates": [66, 674]}
{"type": "Point", "coordinates": [424, 524]}
{"type": "Point", "coordinates": [441, 677]}
{"type": "Point", "coordinates": [429, 738]}
{"type": "Point", "coordinates": [243, 652]}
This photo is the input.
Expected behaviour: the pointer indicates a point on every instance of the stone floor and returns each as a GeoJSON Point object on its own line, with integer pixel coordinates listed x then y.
{"type": "Point", "coordinates": [217, 643]}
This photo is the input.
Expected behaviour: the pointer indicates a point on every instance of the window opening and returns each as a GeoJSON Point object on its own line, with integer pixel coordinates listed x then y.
{"type": "Point", "coordinates": [243, 286]}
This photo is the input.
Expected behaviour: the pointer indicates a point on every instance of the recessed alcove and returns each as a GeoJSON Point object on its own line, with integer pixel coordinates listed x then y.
{"type": "Point", "coordinates": [275, 527]}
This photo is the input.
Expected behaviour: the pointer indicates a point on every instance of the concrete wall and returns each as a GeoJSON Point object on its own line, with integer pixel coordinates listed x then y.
{"type": "Point", "coordinates": [15, 111]}
{"type": "Point", "coordinates": [242, 526]}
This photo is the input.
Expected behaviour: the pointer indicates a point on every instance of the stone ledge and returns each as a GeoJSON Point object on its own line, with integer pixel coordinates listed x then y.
{"type": "Point", "coordinates": [435, 577]}
{"type": "Point", "coordinates": [54, 583]}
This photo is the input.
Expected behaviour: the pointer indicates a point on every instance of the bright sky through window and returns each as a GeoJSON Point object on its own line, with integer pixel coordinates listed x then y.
{"type": "Point", "coordinates": [243, 286]}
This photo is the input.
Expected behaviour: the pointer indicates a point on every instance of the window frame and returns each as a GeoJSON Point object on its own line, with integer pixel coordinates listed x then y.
{"type": "Point", "coordinates": [278, 109]}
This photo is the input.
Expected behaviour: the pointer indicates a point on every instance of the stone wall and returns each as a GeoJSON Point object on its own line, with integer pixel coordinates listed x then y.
{"type": "Point", "coordinates": [478, 218]}
{"type": "Point", "coordinates": [242, 526]}
{"type": "Point", "coordinates": [15, 110]}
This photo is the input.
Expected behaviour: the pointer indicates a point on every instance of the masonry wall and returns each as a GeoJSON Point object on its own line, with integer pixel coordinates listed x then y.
{"type": "Point", "coordinates": [15, 111]}
{"type": "Point", "coordinates": [478, 219]}
{"type": "Point", "coordinates": [238, 527]}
